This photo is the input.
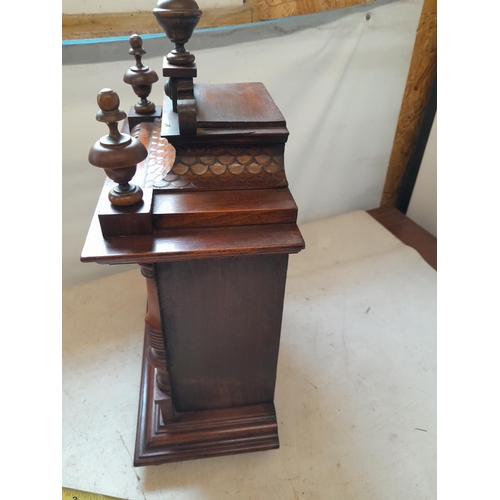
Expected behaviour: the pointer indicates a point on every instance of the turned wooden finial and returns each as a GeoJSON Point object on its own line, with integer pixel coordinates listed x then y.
{"type": "Point", "coordinates": [178, 18]}
{"type": "Point", "coordinates": [141, 77]}
{"type": "Point", "coordinates": [118, 154]}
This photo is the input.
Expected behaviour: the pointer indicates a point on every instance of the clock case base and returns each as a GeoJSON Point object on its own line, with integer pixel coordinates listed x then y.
{"type": "Point", "coordinates": [198, 434]}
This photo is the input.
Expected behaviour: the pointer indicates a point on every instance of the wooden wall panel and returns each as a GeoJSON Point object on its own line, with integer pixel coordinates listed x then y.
{"type": "Point", "coordinates": [85, 26]}
{"type": "Point", "coordinates": [423, 68]}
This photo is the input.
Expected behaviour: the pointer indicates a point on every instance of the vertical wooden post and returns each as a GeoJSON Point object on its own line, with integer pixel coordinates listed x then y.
{"type": "Point", "coordinates": [418, 88]}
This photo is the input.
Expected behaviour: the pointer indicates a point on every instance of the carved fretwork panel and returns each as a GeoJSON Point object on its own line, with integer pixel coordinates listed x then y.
{"type": "Point", "coordinates": [243, 167]}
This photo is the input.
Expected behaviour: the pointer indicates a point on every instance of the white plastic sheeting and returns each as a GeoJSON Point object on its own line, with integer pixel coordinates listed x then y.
{"type": "Point", "coordinates": [337, 76]}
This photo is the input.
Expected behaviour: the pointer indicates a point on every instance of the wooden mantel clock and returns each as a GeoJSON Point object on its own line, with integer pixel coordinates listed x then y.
{"type": "Point", "coordinates": [196, 194]}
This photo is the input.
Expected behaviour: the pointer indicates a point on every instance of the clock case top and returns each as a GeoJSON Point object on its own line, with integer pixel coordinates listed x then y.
{"type": "Point", "coordinates": [221, 191]}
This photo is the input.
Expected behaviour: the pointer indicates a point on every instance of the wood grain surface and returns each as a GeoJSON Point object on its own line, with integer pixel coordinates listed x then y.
{"type": "Point", "coordinates": [408, 232]}
{"type": "Point", "coordinates": [421, 76]}
{"type": "Point", "coordinates": [222, 321]}
{"type": "Point", "coordinates": [223, 208]}
{"type": "Point", "coordinates": [200, 434]}
{"type": "Point", "coordinates": [84, 26]}
{"type": "Point", "coordinates": [276, 9]}
{"type": "Point", "coordinates": [237, 105]}
{"type": "Point", "coordinates": [200, 243]}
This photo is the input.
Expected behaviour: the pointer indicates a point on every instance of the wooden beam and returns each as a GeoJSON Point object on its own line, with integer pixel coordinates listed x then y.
{"type": "Point", "coordinates": [408, 232]}
{"type": "Point", "coordinates": [421, 76]}
{"type": "Point", "coordinates": [85, 26]}
{"type": "Point", "coordinates": [276, 9]}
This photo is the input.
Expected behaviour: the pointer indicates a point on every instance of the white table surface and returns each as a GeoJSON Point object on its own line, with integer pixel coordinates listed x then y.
{"type": "Point", "coordinates": [355, 394]}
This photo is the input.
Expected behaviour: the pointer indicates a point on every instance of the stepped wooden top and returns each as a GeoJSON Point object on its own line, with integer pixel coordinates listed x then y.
{"type": "Point", "coordinates": [236, 113]}
{"type": "Point", "coordinates": [220, 192]}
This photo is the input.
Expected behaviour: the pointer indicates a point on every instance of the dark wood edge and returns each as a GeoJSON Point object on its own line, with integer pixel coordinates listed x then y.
{"type": "Point", "coordinates": [408, 232]}
{"type": "Point", "coordinates": [413, 167]}
{"type": "Point", "coordinates": [181, 244]}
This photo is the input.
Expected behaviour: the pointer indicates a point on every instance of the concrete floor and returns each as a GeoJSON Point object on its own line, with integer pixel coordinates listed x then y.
{"type": "Point", "coordinates": [355, 395]}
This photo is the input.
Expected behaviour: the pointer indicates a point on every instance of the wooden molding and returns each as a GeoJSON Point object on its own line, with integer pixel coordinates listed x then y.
{"type": "Point", "coordinates": [200, 434]}
{"type": "Point", "coordinates": [421, 76]}
{"type": "Point", "coordinates": [87, 26]}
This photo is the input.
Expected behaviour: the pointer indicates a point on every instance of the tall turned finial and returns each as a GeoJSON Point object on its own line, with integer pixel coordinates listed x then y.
{"type": "Point", "coordinates": [118, 154]}
{"type": "Point", "coordinates": [141, 77]}
{"type": "Point", "coordinates": [178, 18]}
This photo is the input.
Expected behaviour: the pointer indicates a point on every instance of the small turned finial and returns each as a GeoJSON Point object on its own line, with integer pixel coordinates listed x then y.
{"type": "Point", "coordinates": [118, 154]}
{"type": "Point", "coordinates": [178, 18]}
{"type": "Point", "coordinates": [141, 77]}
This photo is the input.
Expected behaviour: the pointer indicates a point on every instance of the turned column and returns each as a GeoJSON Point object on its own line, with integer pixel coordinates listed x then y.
{"type": "Point", "coordinates": [156, 352]}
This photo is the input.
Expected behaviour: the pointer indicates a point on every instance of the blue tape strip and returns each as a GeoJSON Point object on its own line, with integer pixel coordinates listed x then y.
{"type": "Point", "coordinates": [88, 41]}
